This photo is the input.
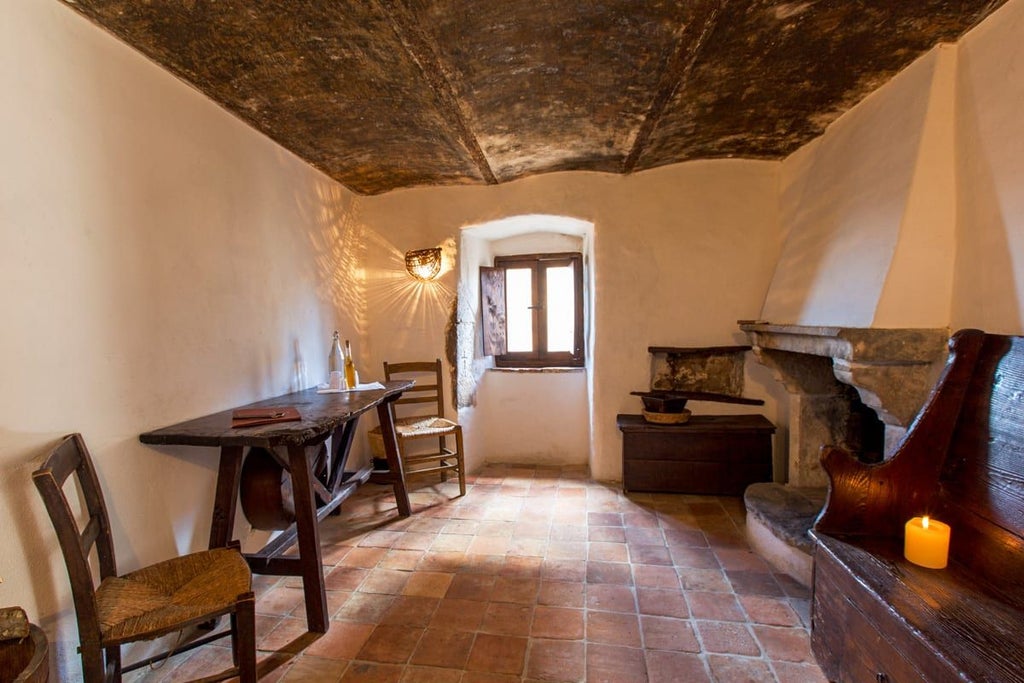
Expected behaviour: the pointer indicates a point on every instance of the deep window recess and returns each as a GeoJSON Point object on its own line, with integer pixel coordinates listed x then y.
{"type": "Point", "coordinates": [532, 310]}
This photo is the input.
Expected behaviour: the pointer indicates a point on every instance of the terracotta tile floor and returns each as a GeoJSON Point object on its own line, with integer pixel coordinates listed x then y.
{"type": "Point", "coordinates": [537, 574]}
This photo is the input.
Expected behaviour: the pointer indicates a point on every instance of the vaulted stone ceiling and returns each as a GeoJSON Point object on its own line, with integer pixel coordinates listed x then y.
{"type": "Point", "coordinates": [384, 94]}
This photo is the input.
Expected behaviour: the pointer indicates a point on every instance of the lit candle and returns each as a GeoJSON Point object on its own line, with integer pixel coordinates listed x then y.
{"type": "Point", "coordinates": [926, 542]}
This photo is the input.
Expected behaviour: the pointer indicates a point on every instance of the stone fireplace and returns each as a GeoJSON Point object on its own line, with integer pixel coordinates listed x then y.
{"type": "Point", "coordinates": [855, 387]}
{"type": "Point", "coordinates": [859, 388]}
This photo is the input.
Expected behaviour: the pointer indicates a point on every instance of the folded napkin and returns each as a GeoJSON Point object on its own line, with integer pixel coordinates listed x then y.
{"type": "Point", "coordinates": [325, 388]}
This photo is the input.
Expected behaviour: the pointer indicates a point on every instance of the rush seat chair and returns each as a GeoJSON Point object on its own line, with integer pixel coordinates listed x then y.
{"type": "Point", "coordinates": [163, 598]}
{"type": "Point", "coordinates": [422, 417]}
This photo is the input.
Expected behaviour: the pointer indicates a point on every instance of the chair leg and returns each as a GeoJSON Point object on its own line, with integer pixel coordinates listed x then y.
{"type": "Point", "coordinates": [233, 624]}
{"type": "Point", "coordinates": [244, 639]}
{"type": "Point", "coordinates": [114, 663]}
{"type": "Point", "coordinates": [94, 669]}
{"type": "Point", "coordinates": [462, 462]}
{"type": "Point", "coordinates": [442, 443]}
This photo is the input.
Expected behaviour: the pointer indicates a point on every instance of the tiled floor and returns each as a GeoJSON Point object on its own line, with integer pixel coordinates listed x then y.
{"type": "Point", "coordinates": [537, 574]}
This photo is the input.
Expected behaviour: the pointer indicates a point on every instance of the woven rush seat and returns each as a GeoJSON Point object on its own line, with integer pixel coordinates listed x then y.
{"type": "Point", "coordinates": [158, 599]}
{"type": "Point", "coordinates": [428, 426]}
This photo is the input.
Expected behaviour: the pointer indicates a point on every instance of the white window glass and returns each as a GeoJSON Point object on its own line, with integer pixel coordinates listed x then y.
{"type": "Point", "coordinates": [518, 311]}
{"type": "Point", "coordinates": [561, 308]}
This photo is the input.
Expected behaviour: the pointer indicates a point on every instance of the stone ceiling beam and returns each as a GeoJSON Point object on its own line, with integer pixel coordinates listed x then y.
{"type": "Point", "coordinates": [674, 77]}
{"type": "Point", "coordinates": [421, 51]}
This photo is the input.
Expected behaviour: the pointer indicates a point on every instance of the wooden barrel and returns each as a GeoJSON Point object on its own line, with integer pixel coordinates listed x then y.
{"type": "Point", "coordinates": [265, 488]}
{"type": "Point", "coordinates": [25, 660]}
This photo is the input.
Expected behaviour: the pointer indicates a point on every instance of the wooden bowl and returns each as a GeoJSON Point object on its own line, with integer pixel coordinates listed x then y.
{"type": "Point", "coordinates": [667, 418]}
{"type": "Point", "coordinates": [659, 404]}
{"type": "Point", "coordinates": [662, 401]}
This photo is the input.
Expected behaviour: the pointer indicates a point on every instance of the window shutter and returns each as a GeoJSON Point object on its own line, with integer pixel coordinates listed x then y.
{"type": "Point", "coordinates": [492, 309]}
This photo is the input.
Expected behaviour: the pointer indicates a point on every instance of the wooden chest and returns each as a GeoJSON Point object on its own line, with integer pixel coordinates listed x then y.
{"type": "Point", "coordinates": [709, 454]}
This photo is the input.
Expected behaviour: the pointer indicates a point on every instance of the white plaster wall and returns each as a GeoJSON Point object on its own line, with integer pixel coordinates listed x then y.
{"type": "Point", "coordinates": [680, 254]}
{"type": "Point", "coordinates": [161, 260]}
{"type": "Point", "coordinates": [534, 417]}
{"type": "Point", "coordinates": [867, 211]}
{"type": "Point", "coordinates": [990, 142]}
{"type": "Point", "coordinates": [918, 289]}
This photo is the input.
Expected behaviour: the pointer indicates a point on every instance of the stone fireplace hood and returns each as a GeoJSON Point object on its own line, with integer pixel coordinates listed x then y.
{"type": "Point", "coordinates": [892, 369]}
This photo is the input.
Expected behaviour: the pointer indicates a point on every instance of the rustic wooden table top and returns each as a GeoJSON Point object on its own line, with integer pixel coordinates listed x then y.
{"type": "Point", "coordinates": [321, 414]}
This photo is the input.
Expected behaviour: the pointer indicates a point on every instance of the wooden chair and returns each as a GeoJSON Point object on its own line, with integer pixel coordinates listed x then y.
{"type": "Point", "coordinates": [425, 424]}
{"type": "Point", "coordinates": [147, 603]}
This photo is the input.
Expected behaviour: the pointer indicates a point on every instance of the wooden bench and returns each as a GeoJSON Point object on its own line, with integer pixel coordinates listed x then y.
{"type": "Point", "coordinates": [878, 617]}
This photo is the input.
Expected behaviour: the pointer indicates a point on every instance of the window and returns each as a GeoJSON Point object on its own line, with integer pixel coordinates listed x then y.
{"type": "Point", "coordinates": [532, 309]}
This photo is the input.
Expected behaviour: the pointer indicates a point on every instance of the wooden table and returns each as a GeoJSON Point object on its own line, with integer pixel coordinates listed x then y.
{"type": "Point", "coordinates": [323, 416]}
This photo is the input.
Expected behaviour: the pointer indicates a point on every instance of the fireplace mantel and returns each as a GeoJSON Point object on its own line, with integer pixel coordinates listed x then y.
{"type": "Point", "coordinates": [892, 371]}
{"type": "Point", "coordinates": [911, 346]}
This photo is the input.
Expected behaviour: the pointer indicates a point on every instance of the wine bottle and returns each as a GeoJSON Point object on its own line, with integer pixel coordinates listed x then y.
{"type": "Point", "coordinates": [335, 359]}
{"type": "Point", "coordinates": [350, 367]}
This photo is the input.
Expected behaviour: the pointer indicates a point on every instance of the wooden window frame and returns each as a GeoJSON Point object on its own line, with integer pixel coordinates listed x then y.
{"type": "Point", "coordinates": [540, 357]}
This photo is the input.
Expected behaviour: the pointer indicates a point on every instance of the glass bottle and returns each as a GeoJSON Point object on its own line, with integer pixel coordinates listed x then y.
{"type": "Point", "coordinates": [335, 359]}
{"type": "Point", "coordinates": [350, 367]}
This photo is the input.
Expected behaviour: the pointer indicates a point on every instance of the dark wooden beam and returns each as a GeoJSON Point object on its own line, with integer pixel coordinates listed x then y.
{"type": "Point", "coordinates": [421, 51]}
{"type": "Point", "coordinates": [673, 79]}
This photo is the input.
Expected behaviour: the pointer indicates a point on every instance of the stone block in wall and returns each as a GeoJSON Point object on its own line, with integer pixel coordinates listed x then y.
{"type": "Point", "coordinates": [711, 369]}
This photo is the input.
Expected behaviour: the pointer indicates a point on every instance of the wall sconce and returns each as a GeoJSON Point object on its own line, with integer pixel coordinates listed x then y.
{"type": "Point", "coordinates": [423, 264]}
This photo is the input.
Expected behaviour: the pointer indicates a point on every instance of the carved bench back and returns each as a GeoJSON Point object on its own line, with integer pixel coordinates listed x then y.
{"type": "Point", "coordinates": [981, 487]}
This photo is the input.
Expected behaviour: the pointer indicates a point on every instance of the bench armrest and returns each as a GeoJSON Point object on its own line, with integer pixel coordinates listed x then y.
{"type": "Point", "coordinates": [877, 499]}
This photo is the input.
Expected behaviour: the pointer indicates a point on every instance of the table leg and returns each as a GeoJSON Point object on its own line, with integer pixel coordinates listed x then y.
{"type": "Point", "coordinates": [228, 475]}
{"type": "Point", "coordinates": [341, 444]}
{"type": "Point", "coordinates": [386, 417]}
{"type": "Point", "coordinates": [309, 540]}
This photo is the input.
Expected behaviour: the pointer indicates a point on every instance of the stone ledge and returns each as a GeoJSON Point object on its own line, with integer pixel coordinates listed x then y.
{"type": "Point", "coordinates": [779, 518]}
{"type": "Point", "coordinates": [788, 511]}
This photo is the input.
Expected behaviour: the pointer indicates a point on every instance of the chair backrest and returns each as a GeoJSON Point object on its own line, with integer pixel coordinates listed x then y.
{"type": "Point", "coordinates": [428, 388]}
{"type": "Point", "coordinates": [72, 457]}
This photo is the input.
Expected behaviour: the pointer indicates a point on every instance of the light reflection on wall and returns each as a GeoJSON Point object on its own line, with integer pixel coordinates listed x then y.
{"type": "Point", "coordinates": [393, 294]}
{"type": "Point", "coordinates": [339, 239]}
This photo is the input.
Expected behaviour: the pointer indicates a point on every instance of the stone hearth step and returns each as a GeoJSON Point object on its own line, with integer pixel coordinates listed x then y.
{"type": "Point", "coordinates": [779, 518]}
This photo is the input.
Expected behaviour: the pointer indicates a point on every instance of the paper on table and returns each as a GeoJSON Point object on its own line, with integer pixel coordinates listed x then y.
{"type": "Point", "coordinates": [325, 389]}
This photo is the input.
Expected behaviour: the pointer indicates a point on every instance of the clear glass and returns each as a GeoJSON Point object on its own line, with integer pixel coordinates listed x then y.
{"type": "Point", "coordinates": [518, 311]}
{"type": "Point", "coordinates": [561, 308]}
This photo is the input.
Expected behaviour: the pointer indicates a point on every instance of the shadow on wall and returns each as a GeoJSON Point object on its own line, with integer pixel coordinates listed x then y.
{"type": "Point", "coordinates": [22, 454]}
{"type": "Point", "coordinates": [354, 284]}
{"type": "Point", "coordinates": [985, 286]}
{"type": "Point", "coordinates": [338, 238]}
